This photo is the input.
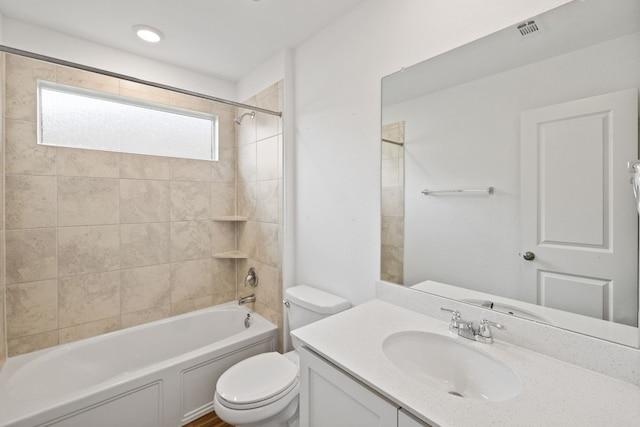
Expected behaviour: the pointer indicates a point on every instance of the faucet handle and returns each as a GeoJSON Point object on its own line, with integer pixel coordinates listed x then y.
{"type": "Point", "coordinates": [488, 323]}
{"type": "Point", "coordinates": [455, 313]}
{"type": "Point", "coordinates": [455, 319]}
{"type": "Point", "coordinates": [484, 330]}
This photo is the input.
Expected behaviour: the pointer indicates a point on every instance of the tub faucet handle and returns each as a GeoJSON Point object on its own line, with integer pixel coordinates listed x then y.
{"type": "Point", "coordinates": [252, 278]}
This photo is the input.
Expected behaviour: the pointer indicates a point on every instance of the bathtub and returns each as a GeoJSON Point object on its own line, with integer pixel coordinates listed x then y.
{"type": "Point", "coordinates": [157, 374]}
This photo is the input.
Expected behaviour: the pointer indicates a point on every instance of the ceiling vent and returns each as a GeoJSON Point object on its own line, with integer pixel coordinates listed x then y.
{"type": "Point", "coordinates": [529, 29]}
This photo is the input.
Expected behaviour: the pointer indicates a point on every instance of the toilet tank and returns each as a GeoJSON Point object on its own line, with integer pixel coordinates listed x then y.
{"type": "Point", "coordinates": [307, 305]}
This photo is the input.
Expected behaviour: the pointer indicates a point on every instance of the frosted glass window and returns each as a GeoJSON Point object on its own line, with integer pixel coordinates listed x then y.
{"type": "Point", "coordinates": [74, 117]}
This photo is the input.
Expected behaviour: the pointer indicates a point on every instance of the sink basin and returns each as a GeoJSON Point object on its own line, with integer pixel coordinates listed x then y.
{"type": "Point", "coordinates": [446, 364]}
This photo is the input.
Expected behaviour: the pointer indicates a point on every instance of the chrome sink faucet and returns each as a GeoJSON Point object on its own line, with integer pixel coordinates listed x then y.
{"type": "Point", "coordinates": [465, 329]}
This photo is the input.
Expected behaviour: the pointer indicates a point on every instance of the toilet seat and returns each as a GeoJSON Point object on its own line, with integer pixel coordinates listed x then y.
{"type": "Point", "coordinates": [257, 381]}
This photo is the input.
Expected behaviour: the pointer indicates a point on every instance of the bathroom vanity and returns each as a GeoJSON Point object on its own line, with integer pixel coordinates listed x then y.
{"type": "Point", "coordinates": [353, 373]}
{"type": "Point", "coordinates": [332, 397]}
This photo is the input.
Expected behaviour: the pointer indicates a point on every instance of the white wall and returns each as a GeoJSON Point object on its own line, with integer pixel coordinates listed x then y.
{"type": "Point", "coordinates": [266, 74]}
{"type": "Point", "coordinates": [23, 36]}
{"type": "Point", "coordinates": [337, 97]}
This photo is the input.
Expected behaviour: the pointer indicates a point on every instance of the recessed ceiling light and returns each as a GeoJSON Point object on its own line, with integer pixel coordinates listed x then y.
{"type": "Point", "coordinates": [148, 34]}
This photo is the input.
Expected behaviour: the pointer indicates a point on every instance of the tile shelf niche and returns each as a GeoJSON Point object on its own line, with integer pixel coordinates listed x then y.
{"type": "Point", "coordinates": [233, 218]}
{"type": "Point", "coordinates": [231, 254]}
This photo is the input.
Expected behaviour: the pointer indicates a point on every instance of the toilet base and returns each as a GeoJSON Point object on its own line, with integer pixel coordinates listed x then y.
{"type": "Point", "coordinates": [287, 417]}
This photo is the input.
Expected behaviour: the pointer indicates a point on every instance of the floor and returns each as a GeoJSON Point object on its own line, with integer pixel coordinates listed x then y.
{"type": "Point", "coordinates": [209, 420]}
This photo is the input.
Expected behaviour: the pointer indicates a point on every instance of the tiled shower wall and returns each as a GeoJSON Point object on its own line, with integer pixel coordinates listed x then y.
{"type": "Point", "coordinates": [98, 241]}
{"type": "Point", "coordinates": [392, 201]}
{"type": "Point", "coordinates": [3, 339]}
{"type": "Point", "coordinates": [260, 198]}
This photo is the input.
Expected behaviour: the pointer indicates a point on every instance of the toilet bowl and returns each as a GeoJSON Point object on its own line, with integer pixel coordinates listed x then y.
{"type": "Point", "coordinates": [263, 390]}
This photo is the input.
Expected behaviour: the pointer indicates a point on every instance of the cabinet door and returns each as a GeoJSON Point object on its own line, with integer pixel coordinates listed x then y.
{"type": "Point", "coordinates": [407, 420]}
{"type": "Point", "coordinates": [331, 398]}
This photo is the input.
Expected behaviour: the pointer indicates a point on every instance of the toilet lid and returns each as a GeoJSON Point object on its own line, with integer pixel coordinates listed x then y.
{"type": "Point", "coordinates": [257, 378]}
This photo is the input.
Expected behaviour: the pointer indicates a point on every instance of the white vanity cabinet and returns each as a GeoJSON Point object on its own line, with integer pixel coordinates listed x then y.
{"type": "Point", "coordinates": [407, 420]}
{"type": "Point", "coordinates": [330, 397]}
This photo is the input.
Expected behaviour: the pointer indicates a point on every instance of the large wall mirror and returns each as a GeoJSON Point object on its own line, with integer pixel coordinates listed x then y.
{"type": "Point", "coordinates": [505, 177]}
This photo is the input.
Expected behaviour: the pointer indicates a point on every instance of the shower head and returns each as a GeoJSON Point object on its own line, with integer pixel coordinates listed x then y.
{"type": "Point", "coordinates": [238, 120]}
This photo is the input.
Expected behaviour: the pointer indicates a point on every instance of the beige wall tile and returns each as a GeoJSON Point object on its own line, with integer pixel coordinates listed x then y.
{"type": "Point", "coordinates": [247, 199]}
{"type": "Point", "coordinates": [268, 203]}
{"type": "Point", "coordinates": [88, 80]}
{"type": "Point", "coordinates": [23, 154]}
{"type": "Point", "coordinates": [227, 132]}
{"type": "Point", "coordinates": [391, 263]}
{"type": "Point", "coordinates": [267, 124]}
{"type": "Point", "coordinates": [247, 163]}
{"type": "Point", "coordinates": [246, 132]}
{"type": "Point", "coordinates": [32, 308]}
{"type": "Point", "coordinates": [87, 298]}
{"type": "Point", "coordinates": [223, 236]}
{"type": "Point", "coordinates": [392, 201]}
{"type": "Point", "coordinates": [222, 108]}
{"type": "Point", "coordinates": [223, 273]}
{"type": "Point", "coordinates": [144, 244]}
{"type": "Point", "coordinates": [88, 330]}
{"type": "Point", "coordinates": [20, 93]}
{"type": "Point", "coordinates": [190, 102]}
{"type": "Point", "coordinates": [145, 316]}
{"type": "Point", "coordinates": [139, 166]}
{"type": "Point", "coordinates": [223, 199]}
{"type": "Point", "coordinates": [190, 201]}
{"type": "Point", "coordinates": [88, 201]}
{"type": "Point", "coordinates": [30, 201]}
{"type": "Point", "coordinates": [268, 250]}
{"type": "Point", "coordinates": [268, 161]}
{"type": "Point", "coordinates": [144, 92]}
{"type": "Point", "coordinates": [144, 288]}
{"type": "Point", "coordinates": [390, 173]}
{"type": "Point", "coordinates": [31, 343]}
{"type": "Point", "coordinates": [191, 279]}
{"type": "Point", "coordinates": [186, 306]}
{"type": "Point", "coordinates": [97, 296]}
{"type": "Point", "coordinates": [224, 169]}
{"type": "Point", "coordinates": [392, 231]}
{"type": "Point", "coordinates": [281, 156]}
{"type": "Point", "coordinates": [93, 163]}
{"type": "Point", "coordinates": [247, 235]}
{"type": "Point", "coordinates": [190, 170]}
{"type": "Point", "coordinates": [90, 249]}
{"type": "Point", "coordinates": [190, 240]}
{"type": "Point", "coordinates": [144, 201]}
{"type": "Point", "coordinates": [30, 255]}
{"type": "Point", "coordinates": [390, 151]}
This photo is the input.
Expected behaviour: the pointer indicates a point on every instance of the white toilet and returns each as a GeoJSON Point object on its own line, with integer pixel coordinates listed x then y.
{"type": "Point", "coordinates": [263, 390]}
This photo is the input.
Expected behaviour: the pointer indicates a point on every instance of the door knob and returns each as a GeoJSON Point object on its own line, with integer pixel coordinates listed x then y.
{"type": "Point", "coordinates": [529, 256]}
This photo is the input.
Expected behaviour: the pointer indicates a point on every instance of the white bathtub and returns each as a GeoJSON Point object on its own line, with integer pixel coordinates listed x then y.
{"type": "Point", "coordinates": [157, 374]}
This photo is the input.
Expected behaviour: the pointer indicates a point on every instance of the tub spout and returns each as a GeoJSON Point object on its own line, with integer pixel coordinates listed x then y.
{"type": "Point", "coordinates": [244, 300]}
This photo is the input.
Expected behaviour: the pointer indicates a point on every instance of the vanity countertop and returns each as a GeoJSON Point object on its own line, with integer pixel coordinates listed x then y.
{"type": "Point", "coordinates": [554, 393]}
